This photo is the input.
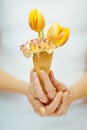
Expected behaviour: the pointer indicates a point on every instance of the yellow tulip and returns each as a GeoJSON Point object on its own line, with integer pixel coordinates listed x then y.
{"type": "Point", "coordinates": [36, 20]}
{"type": "Point", "coordinates": [63, 37]}
{"type": "Point", "coordinates": [53, 32]}
{"type": "Point", "coordinates": [58, 35]}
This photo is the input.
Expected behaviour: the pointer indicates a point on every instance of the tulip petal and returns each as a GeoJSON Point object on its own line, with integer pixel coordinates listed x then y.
{"type": "Point", "coordinates": [53, 32]}
{"type": "Point", "coordinates": [63, 37]}
{"type": "Point", "coordinates": [36, 20]}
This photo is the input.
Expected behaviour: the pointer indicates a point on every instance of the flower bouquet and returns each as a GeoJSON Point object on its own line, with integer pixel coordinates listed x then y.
{"type": "Point", "coordinates": [42, 48]}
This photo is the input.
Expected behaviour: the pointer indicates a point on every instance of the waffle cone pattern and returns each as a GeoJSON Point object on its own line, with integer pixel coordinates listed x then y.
{"type": "Point", "coordinates": [42, 61]}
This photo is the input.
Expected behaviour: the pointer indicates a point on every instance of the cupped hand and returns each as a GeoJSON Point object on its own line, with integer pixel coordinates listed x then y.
{"type": "Point", "coordinates": [56, 100]}
{"type": "Point", "coordinates": [37, 97]}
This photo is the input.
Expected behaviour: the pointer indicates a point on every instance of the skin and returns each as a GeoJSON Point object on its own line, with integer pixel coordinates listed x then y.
{"type": "Point", "coordinates": [9, 83]}
{"type": "Point", "coordinates": [57, 99]}
{"type": "Point", "coordinates": [79, 89]}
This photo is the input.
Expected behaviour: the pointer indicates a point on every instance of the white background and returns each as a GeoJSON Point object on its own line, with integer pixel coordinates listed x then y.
{"type": "Point", "coordinates": [69, 62]}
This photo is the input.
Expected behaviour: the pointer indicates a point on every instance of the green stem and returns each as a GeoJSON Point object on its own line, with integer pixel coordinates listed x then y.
{"type": "Point", "coordinates": [39, 35]}
{"type": "Point", "coordinates": [43, 34]}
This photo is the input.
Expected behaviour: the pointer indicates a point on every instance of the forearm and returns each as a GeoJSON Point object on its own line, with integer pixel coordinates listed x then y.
{"type": "Point", "coordinates": [12, 84]}
{"type": "Point", "coordinates": [79, 89]}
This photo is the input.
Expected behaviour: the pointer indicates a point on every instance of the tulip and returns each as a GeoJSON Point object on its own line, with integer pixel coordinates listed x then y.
{"type": "Point", "coordinates": [63, 37]}
{"type": "Point", "coordinates": [53, 32]}
{"type": "Point", "coordinates": [58, 35]}
{"type": "Point", "coordinates": [36, 21]}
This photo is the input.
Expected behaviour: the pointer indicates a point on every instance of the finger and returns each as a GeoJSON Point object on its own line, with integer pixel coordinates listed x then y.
{"type": "Point", "coordinates": [67, 106]}
{"type": "Point", "coordinates": [65, 102]}
{"type": "Point", "coordinates": [57, 84]}
{"type": "Point", "coordinates": [37, 89]}
{"type": "Point", "coordinates": [54, 104]}
{"type": "Point", "coordinates": [49, 87]}
{"type": "Point", "coordinates": [31, 88]}
{"type": "Point", "coordinates": [37, 105]}
{"type": "Point", "coordinates": [31, 77]}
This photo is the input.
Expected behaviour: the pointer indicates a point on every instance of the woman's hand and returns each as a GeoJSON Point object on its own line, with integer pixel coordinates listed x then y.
{"type": "Point", "coordinates": [56, 100]}
{"type": "Point", "coordinates": [37, 97]}
{"type": "Point", "coordinates": [60, 104]}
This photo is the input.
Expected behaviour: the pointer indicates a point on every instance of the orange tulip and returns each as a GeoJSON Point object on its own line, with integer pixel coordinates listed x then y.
{"type": "Point", "coordinates": [36, 20]}
{"type": "Point", "coordinates": [53, 32]}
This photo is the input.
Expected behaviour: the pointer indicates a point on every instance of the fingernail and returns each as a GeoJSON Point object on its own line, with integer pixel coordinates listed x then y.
{"type": "Point", "coordinates": [42, 71]}
{"type": "Point", "coordinates": [42, 110]}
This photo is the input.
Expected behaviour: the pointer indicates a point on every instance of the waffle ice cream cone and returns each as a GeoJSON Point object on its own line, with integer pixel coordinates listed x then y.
{"type": "Point", "coordinates": [42, 61]}
{"type": "Point", "coordinates": [42, 52]}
